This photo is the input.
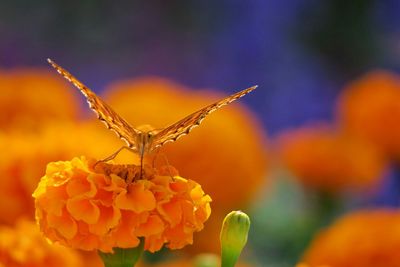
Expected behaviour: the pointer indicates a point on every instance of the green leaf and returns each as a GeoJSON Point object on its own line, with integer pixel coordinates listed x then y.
{"type": "Point", "coordinates": [122, 257]}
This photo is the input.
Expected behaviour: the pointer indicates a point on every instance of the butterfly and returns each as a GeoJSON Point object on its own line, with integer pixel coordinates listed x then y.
{"type": "Point", "coordinates": [144, 142]}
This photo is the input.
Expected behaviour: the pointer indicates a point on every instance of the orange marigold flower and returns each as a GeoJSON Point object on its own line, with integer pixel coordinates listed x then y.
{"type": "Point", "coordinates": [30, 98]}
{"type": "Point", "coordinates": [370, 108]}
{"type": "Point", "coordinates": [364, 238]}
{"type": "Point", "coordinates": [209, 154]}
{"type": "Point", "coordinates": [28, 153]}
{"type": "Point", "coordinates": [326, 160]}
{"type": "Point", "coordinates": [100, 206]}
{"type": "Point", "coordinates": [25, 246]}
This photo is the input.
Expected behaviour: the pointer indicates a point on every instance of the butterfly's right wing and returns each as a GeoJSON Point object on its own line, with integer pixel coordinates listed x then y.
{"type": "Point", "coordinates": [104, 112]}
{"type": "Point", "coordinates": [184, 126]}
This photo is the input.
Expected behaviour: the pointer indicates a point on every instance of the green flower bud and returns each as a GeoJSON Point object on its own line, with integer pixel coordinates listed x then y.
{"type": "Point", "coordinates": [235, 229]}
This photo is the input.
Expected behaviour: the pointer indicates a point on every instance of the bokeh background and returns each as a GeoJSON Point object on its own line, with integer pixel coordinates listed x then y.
{"type": "Point", "coordinates": [299, 52]}
{"type": "Point", "coordinates": [319, 138]}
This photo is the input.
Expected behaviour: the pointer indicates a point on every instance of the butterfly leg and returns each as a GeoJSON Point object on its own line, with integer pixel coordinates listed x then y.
{"type": "Point", "coordinates": [112, 156]}
{"type": "Point", "coordinates": [155, 158]}
{"type": "Point", "coordinates": [163, 155]}
{"type": "Point", "coordinates": [166, 160]}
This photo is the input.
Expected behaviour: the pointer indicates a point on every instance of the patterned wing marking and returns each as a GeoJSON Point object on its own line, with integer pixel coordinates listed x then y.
{"type": "Point", "coordinates": [104, 112]}
{"type": "Point", "coordinates": [184, 126]}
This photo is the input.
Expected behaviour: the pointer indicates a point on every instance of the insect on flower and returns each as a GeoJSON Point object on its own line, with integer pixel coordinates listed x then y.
{"type": "Point", "coordinates": [144, 141]}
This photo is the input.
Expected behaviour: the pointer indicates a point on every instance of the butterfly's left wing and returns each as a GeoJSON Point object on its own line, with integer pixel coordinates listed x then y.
{"type": "Point", "coordinates": [104, 112]}
{"type": "Point", "coordinates": [184, 126]}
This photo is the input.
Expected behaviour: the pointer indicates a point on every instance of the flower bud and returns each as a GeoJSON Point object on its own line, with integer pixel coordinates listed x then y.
{"type": "Point", "coordinates": [233, 237]}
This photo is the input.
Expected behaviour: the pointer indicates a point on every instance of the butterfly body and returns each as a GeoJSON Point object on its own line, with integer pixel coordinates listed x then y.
{"type": "Point", "coordinates": [144, 140]}
{"type": "Point", "coordinates": [143, 144]}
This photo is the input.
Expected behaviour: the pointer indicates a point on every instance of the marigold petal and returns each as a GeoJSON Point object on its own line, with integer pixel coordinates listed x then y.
{"type": "Point", "coordinates": [172, 212]}
{"type": "Point", "coordinates": [197, 194]}
{"type": "Point", "coordinates": [154, 243]}
{"type": "Point", "coordinates": [40, 189]}
{"type": "Point", "coordinates": [105, 197]}
{"type": "Point", "coordinates": [179, 185]}
{"type": "Point", "coordinates": [83, 209]}
{"type": "Point", "coordinates": [154, 225]}
{"type": "Point", "coordinates": [188, 209]}
{"type": "Point", "coordinates": [117, 184]}
{"type": "Point", "coordinates": [109, 218]}
{"type": "Point", "coordinates": [54, 200]}
{"type": "Point", "coordinates": [202, 213]}
{"type": "Point", "coordinates": [85, 240]}
{"type": "Point", "coordinates": [60, 173]}
{"type": "Point", "coordinates": [64, 224]}
{"type": "Point", "coordinates": [136, 198]}
{"type": "Point", "coordinates": [123, 234]}
{"type": "Point", "coordinates": [80, 185]}
{"type": "Point", "coordinates": [178, 237]}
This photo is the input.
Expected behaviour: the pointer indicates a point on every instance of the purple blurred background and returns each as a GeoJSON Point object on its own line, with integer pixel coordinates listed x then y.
{"type": "Point", "coordinates": [299, 52]}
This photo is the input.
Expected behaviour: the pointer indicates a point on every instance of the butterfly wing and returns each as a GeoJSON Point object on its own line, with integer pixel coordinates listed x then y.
{"type": "Point", "coordinates": [184, 126]}
{"type": "Point", "coordinates": [104, 112]}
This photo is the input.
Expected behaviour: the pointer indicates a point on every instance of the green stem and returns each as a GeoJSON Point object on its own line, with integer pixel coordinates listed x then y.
{"type": "Point", "coordinates": [228, 259]}
{"type": "Point", "coordinates": [122, 257]}
{"type": "Point", "coordinates": [327, 207]}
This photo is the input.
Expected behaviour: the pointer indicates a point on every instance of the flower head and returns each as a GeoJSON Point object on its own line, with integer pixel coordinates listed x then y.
{"type": "Point", "coordinates": [24, 246]}
{"type": "Point", "coordinates": [364, 238]}
{"type": "Point", "coordinates": [91, 206]}
{"type": "Point", "coordinates": [31, 98]}
{"type": "Point", "coordinates": [370, 108]}
{"type": "Point", "coordinates": [329, 161]}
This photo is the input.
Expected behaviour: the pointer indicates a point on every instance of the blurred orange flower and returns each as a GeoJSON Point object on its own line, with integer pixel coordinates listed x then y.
{"type": "Point", "coordinates": [24, 246]}
{"type": "Point", "coordinates": [364, 238]}
{"type": "Point", "coordinates": [110, 206]}
{"type": "Point", "coordinates": [370, 108]}
{"type": "Point", "coordinates": [28, 153]}
{"type": "Point", "coordinates": [226, 154]}
{"type": "Point", "coordinates": [31, 98]}
{"type": "Point", "coordinates": [329, 161]}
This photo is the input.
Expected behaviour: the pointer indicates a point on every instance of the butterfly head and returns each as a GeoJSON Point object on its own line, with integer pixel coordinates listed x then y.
{"type": "Point", "coordinates": [149, 137]}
